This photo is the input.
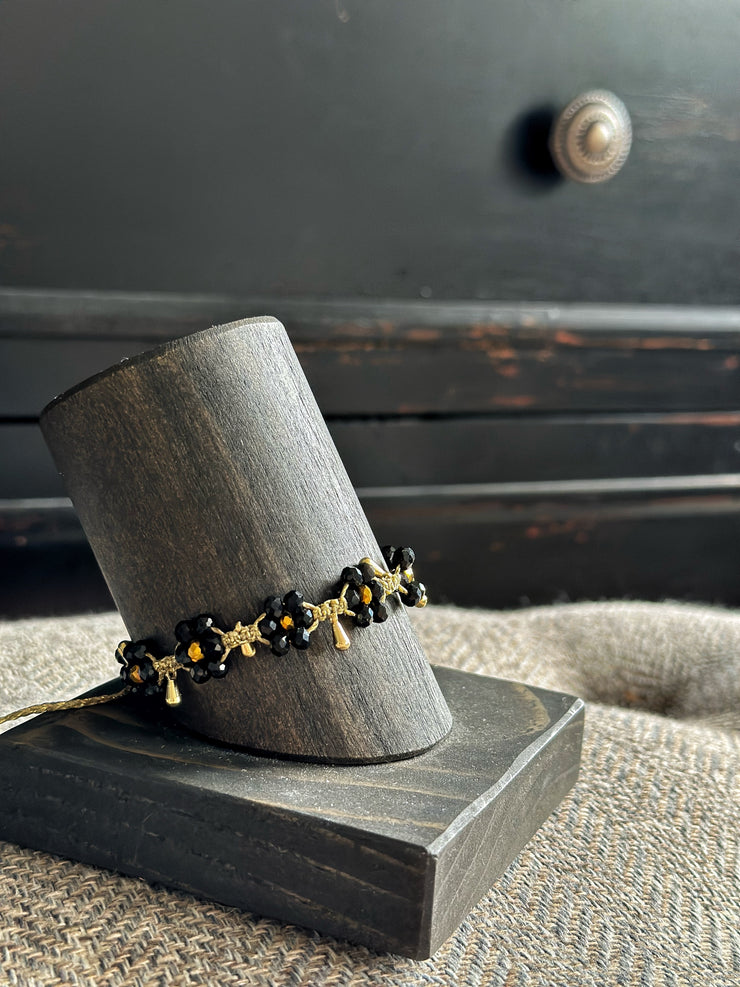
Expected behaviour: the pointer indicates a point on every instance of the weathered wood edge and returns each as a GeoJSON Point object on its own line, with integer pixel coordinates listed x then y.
{"type": "Point", "coordinates": [160, 315]}
{"type": "Point", "coordinates": [566, 732]}
{"type": "Point", "coordinates": [51, 520]}
{"type": "Point", "coordinates": [417, 452]}
{"type": "Point", "coordinates": [402, 359]}
{"type": "Point", "coordinates": [576, 710]}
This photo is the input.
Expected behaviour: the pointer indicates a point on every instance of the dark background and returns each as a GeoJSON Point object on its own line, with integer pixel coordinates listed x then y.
{"type": "Point", "coordinates": [533, 382]}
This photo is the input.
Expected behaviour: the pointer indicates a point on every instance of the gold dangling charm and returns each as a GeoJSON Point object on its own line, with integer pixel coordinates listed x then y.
{"type": "Point", "coordinates": [341, 640]}
{"type": "Point", "coordinates": [172, 697]}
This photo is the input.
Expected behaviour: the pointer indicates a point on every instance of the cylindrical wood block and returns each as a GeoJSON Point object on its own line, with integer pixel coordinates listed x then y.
{"type": "Point", "coordinates": [206, 480]}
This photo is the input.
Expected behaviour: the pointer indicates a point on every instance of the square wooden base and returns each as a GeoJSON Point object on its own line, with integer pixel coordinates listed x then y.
{"type": "Point", "coordinates": [392, 856]}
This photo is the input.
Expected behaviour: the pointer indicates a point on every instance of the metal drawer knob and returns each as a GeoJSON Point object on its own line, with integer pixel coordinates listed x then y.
{"type": "Point", "coordinates": [592, 137]}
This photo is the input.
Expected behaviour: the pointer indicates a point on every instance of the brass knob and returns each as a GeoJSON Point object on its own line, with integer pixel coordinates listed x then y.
{"type": "Point", "coordinates": [592, 137]}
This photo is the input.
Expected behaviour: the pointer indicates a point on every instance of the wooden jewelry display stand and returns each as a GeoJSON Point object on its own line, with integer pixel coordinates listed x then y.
{"type": "Point", "coordinates": [359, 791]}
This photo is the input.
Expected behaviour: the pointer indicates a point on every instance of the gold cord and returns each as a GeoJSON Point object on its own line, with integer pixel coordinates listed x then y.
{"type": "Point", "coordinates": [68, 704]}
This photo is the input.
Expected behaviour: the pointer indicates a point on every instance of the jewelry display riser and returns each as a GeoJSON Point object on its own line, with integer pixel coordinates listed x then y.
{"type": "Point", "coordinates": [206, 480]}
{"type": "Point", "coordinates": [390, 855]}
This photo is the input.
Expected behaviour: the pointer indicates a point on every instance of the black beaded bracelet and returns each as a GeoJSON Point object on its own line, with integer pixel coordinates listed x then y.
{"type": "Point", "coordinates": [203, 648]}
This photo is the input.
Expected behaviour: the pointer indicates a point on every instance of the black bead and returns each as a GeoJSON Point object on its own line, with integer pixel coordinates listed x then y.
{"type": "Point", "coordinates": [364, 617]}
{"type": "Point", "coordinates": [202, 623]}
{"type": "Point", "coordinates": [273, 607]}
{"type": "Point", "coordinates": [303, 617]}
{"type": "Point", "coordinates": [195, 628]}
{"type": "Point", "coordinates": [376, 588]}
{"type": "Point", "coordinates": [413, 594]}
{"type": "Point", "coordinates": [148, 673]}
{"type": "Point", "coordinates": [380, 613]}
{"type": "Point", "coordinates": [280, 645]}
{"type": "Point", "coordinates": [388, 552]}
{"type": "Point", "coordinates": [199, 674]}
{"type": "Point", "coordinates": [404, 557]}
{"type": "Point", "coordinates": [217, 670]}
{"type": "Point", "coordinates": [368, 572]}
{"type": "Point", "coordinates": [267, 626]}
{"type": "Point", "coordinates": [352, 596]}
{"type": "Point", "coordinates": [133, 652]}
{"type": "Point", "coordinates": [336, 589]}
{"type": "Point", "coordinates": [213, 645]}
{"type": "Point", "coordinates": [352, 575]}
{"type": "Point", "coordinates": [182, 630]}
{"type": "Point", "coordinates": [300, 638]}
{"type": "Point", "coordinates": [293, 601]}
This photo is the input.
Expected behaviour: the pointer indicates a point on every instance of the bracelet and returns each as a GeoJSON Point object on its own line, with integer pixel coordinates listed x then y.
{"type": "Point", "coordinates": [203, 649]}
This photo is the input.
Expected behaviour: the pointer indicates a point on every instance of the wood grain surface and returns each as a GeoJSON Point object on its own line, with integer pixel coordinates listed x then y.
{"type": "Point", "coordinates": [389, 855]}
{"type": "Point", "coordinates": [206, 480]}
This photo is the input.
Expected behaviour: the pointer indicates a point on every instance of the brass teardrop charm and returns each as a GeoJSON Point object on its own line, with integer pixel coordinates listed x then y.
{"type": "Point", "coordinates": [172, 696]}
{"type": "Point", "coordinates": [341, 641]}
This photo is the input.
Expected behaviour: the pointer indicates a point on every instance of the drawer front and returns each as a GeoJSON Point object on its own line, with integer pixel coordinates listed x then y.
{"type": "Point", "coordinates": [386, 149]}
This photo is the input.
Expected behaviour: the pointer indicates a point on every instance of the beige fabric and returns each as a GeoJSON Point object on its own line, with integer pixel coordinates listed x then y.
{"type": "Point", "coordinates": [635, 880]}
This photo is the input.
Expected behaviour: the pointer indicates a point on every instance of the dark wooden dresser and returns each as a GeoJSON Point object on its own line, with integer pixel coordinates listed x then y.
{"type": "Point", "coordinates": [532, 379]}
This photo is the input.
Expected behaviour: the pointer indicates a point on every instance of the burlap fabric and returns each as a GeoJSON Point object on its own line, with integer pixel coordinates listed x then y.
{"type": "Point", "coordinates": [634, 880]}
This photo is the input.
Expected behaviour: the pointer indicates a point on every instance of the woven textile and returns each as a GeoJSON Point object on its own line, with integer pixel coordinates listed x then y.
{"type": "Point", "coordinates": [635, 879]}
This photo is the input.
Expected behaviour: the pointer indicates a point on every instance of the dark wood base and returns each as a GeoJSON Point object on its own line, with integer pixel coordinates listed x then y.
{"type": "Point", "coordinates": [392, 856]}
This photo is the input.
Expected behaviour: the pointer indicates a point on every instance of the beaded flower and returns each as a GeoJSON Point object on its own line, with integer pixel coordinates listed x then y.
{"type": "Point", "coordinates": [286, 621]}
{"type": "Point", "coordinates": [200, 648]}
{"type": "Point", "coordinates": [137, 667]}
{"type": "Point", "coordinates": [365, 594]}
